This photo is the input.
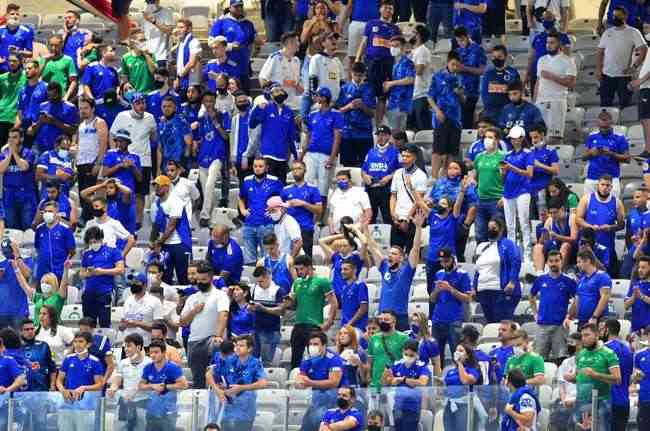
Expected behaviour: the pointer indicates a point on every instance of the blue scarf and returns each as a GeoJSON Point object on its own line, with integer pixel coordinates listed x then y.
{"type": "Point", "coordinates": [508, 423]}
{"type": "Point", "coordinates": [182, 227]}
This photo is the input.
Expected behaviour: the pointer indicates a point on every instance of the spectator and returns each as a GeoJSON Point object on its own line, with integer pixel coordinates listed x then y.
{"type": "Point", "coordinates": [43, 373]}
{"type": "Point", "coordinates": [163, 378]}
{"type": "Point", "coordinates": [345, 416]}
{"type": "Point", "coordinates": [101, 75]}
{"type": "Point", "coordinates": [243, 140]}
{"type": "Point", "coordinates": [162, 89]}
{"type": "Point", "coordinates": [420, 116]}
{"type": "Point", "coordinates": [399, 89]}
{"type": "Point", "coordinates": [557, 189]}
{"type": "Point", "coordinates": [495, 83]}
{"type": "Point", "coordinates": [58, 337]}
{"type": "Point", "coordinates": [377, 171]}
{"type": "Point", "coordinates": [375, 420]}
{"type": "Point", "coordinates": [322, 372]}
{"type": "Point", "coordinates": [560, 233]}
{"type": "Point", "coordinates": [606, 150]}
{"type": "Point", "coordinates": [538, 46]}
{"type": "Point", "coordinates": [609, 331]}
{"type": "Point", "coordinates": [592, 294]}
{"type": "Point", "coordinates": [225, 255]}
{"type": "Point", "coordinates": [384, 348]}
{"type": "Point", "coordinates": [56, 118]}
{"type": "Point", "coordinates": [140, 309]}
{"type": "Point", "coordinates": [359, 12]}
{"type": "Point", "coordinates": [283, 67]}
{"type": "Point", "coordinates": [470, 16]}
{"type": "Point", "coordinates": [115, 234]}
{"type": "Point", "coordinates": [127, 378]}
{"type": "Point", "coordinates": [496, 280]}
{"type": "Point", "coordinates": [16, 38]}
{"type": "Point", "coordinates": [379, 60]}
{"type": "Point", "coordinates": [637, 295]}
{"type": "Point", "coordinates": [30, 97]}
{"type": "Point", "coordinates": [100, 346]}
{"type": "Point", "coordinates": [348, 201]}
{"type": "Point", "coordinates": [471, 68]}
{"type": "Point", "coordinates": [523, 406]}
{"type": "Point", "coordinates": [159, 332]}
{"type": "Point", "coordinates": [640, 376]}
{"type": "Point", "coordinates": [562, 416]}
{"type": "Point", "coordinates": [354, 357]}
{"type": "Point", "coordinates": [464, 372]}
{"type": "Point", "coordinates": [636, 223]}
{"type": "Point", "coordinates": [406, 183]}
{"type": "Point", "coordinates": [494, 19]}
{"type": "Point", "coordinates": [11, 83]}
{"type": "Point", "coordinates": [556, 75]}
{"type": "Point", "coordinates": [199, 311]}
{"type": "Point", "coordinates": [588, 242]}
{"type": "Point", "coordinates": [319, 22]}
{"type": "Point", "coordinates": [489, 183]}
{"type": "Point", "coordinates": [446, 100]}
{"type": "Point", "coordinates": [19, 188]}
{"type": "Point", "coordinates": [50, 292]}
{"type": "Point", "coordinates": [266, 300]}
{"type": "Point", "coordinates": [89, 53]}
{"type": "Point", "coordinates": [175, 136]}
{"type": "Point", "coordinates": [188, 55]}
{"type": "Point", "coordinates": [241, 317]}
{"type": "Point", "coordinates": [54, 243]}
{"type": "Point", "coordinates": [73, 38]}
{"type": "Point", "coordinates": [536, 17]}
{"type": "Point", "coordinates": [545, 166]}
{"type": "Point", "coordinates": [100, 264]}
{"type": "Point", "coordinates": [59, 67]}
{"type": "Point", "coordinates": [189, 111]}
{"type": "Point", "coordinates": [449, 290]}
{"type": "Point", "coordinates": [530, 363]}
{"type": "Point", "coordinates": [56, 165]}
{"type": "Point", "coordinates": [615, 62]}
{"type": "Point", "coordinates": [478, 146]}
{"type": "Point", "coordinates": [354, 297]}
{"type": "Point", "coordinates": [519, 112]}
{"type": "Point", "coordinates": [183, 188]}
{"type": "Point", "coordinates": [80, 379]}
{"type": "Point", "coordinates": [219, 64]}
{"type": "Point", "coordinates": [119, 205]}
{"type": "Point", "coordinates": [138, 65]}
{"type": "Point", "coordinates": [158, 25]}
{"type": "Point", "coordinates": [470, 337]}
{"type": "Point", "coordinates": [505, 351]}
{"type": "Point", "coordinates": [279, 265]}
{"type": "Point", "coordinates": [428, 349]}
{"type": "Point", "coordinates": [325, 69]}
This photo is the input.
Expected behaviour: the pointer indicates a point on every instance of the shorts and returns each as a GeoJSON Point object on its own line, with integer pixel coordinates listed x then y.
{"type": "Point", "coordinates": [316, 172]}
{"type": "Point", "coordinates": [355, 33]}
{"type": "Point", "coordinates": [446, 138]}
{"type": "Point", "coordinates": [644, 104]}
{"type": "Point", "coordinates": [380, 70]}
{"type": "Point", "coordinates": [551, 341]}
{"type": "Point", "coordinates": [143, 187]}
{"type": "Point", "coordinates": [554, 114]}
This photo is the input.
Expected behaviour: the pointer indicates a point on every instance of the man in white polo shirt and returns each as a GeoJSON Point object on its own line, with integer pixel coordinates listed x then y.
{"type": "Point", "coordinates": [348, 200]}
{"type": "Point", "coordinates": [286, 228]}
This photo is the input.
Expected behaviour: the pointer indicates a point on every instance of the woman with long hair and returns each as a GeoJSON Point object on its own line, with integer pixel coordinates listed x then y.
{"type": "Point", "coordinates": [58, 337]}
{"type": "Point", "coordinates": [241, 319]}
{"type": "Point", "coordinates": [428, 349]}
{"type": "Point", "coordinates": [355, 359]}
{"type": "Point", "coordinates": [464, 373]}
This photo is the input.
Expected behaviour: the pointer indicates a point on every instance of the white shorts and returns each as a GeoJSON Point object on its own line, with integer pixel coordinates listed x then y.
{"type": "Point", "coordinates": [554, 114]}
{"type": "Point", "coordinates": [592, 185]}
{"type": "Point", "coordinates": [355, 33]}
{"type": "Point", "coordinates": [317, 174]}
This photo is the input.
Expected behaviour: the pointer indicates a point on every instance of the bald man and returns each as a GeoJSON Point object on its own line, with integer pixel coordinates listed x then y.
{"type": "Point", "coordinates": [225, 255]}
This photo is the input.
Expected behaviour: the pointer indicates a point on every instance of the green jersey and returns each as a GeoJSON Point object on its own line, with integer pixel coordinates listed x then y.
{"type": "Point", "coordinates": [310, 295]}
{"type": "Point", "coordinates": [531, 364]}
{"type": "Point", "coordinates": [58, 70]}
{"type": "Point", "coordinates": [490, 180]}
{"type": "Point", "coordinates": [135, 67]}
{"type": "Point", "coordinates": [10, 86]}
{"type": "Point", "coordinates": [55, 301]}
{"type": "Point", "coordinates": [384, 350]}
{"type": "Point", "coordinates": [602, 359]}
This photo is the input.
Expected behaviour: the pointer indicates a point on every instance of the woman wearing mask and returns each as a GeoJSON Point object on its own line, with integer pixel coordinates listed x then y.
{"type": "Point", "coordinates": [465, 372]}
{"type": "Point", "coordinates": [241, 319]}
{"type": "Point", "coordinates": [355, 359]}
{"type": "Point", "coordinates": [372, 328]}
{"type": "Point", "coordinates": [496, 280]}
{"type": "Point", "coordinates": [318, 24]}
{"type": "Point", "coordinates": [50, 293]}
{"type": "Point", "coordinates": [489, 180]}
{"type": "Point", "coordinates": [56, 336]}
{"type": "Point", "coordinates": [517, 170]}
{"type": "Point", "coordinates": [428, 350]}
{"type": "Point", "coordinates": [408, 374]}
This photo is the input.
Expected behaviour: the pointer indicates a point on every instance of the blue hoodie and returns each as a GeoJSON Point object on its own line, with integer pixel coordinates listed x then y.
{"type": "Point", "coordinates": [510, 265]}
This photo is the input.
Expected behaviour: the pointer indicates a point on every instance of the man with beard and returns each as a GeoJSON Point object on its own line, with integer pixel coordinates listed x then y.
{"type": "Point", "coordinates": [10, 85]}
{"type": "Point", "coordinates": [385, 348]}
{"type": "Point", "coordinates": [199, 313]}
{"type": "Point", "coordinates": [17, 165]}
{"type": "Point", "coordinates": [189, 111]}
{"type": "Point", "coordinates": [15, 38]}
{"type": "Point", "coordinates": [377, 171]}
{"type": "Point", "coordinates": [101, 75]}
{"type": "Point", "coordinates": [56, 117]}
{"type": "Point", "coordinates": [188, 55]}
{"type": "Point", "coordinates": [518, 112]}
{"type": "Point", "coordinates": [162, 90]}
{"type": "Point", "coordinates": [175, 136]}
{"type": "Point", "coordinates": [43, 374]}
{"type": "Point", "coordinates": [638, 297]}
{"type": "Point", "coordinates": [592, 293]}
{"type": "Point", "coordinates": [603, 212]}
{"type": "Point", "coordinates": [609, 334]}
{"type": "Point", "coordinates": [495, 83]}
{"type": "Point", "coordinates": [73, 37]}
{"type": "Point", "coordinates": [59, 67]}
{"type": "Point", "coordinates": [138, 65]}
{"type": "Point", "coordinates": [30, 98]}
{"type": "Point", "coordinates": [171, 232]}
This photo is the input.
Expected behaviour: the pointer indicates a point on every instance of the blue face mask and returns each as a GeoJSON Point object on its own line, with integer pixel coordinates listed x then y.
{"type": "Point", "coordinates": [63, 154]}
{"type": "Point", "coordinates": [548, 24]}
{"type": "Point", "coordinates": [343, 185]}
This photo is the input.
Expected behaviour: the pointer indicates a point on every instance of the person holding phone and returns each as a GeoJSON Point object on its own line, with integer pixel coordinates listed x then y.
{"type": "Point", "coordinates": [489, 182]}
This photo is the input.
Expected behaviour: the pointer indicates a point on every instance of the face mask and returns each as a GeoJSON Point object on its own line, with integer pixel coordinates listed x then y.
{"type": "Point", "coordinates": [492, 234]}
{"type": "Point", "coordinates": [280, 98]}
{"type": "Point", "coordinates": [158, 84]}
{"type": "Point", "coordinates": [136, 289]}
{"type": "Point", "coordinates": [395, 51]}
{"type": "Point", "coordinates": [459, 356]}
{"type": "Point", "coordinates": [314, 351]}
{"type": "Point", "coordinates": [243, 107]}
{"type": "Point", "coordinates": [382, 147]}
{"type": "Point", "coordinates": [489, 144]}
{"type": "Point", "coordinates": [571, 350]}
{"type": "Point", "coordinates": [342, 403]}
{"type": "Point", "coordinates": [98, 212]}
{"type": "Point", "coordinates": [374, 428]}
{"type": "Point", "coordinates": [517, 351]}
{"type": "Point", "coordinates": [63, 154]}
{"type": "Point", "coordinates": [618, 21]}
{"type": "Point", "coordinates": [222, 91]}
{"type": "Point", "coordinates": [548, 24]}
{"type": "Point", "coordinates": [384, 326]}
{"type": "Point", "coordinates": [498, 62]}
{"type": "Point", "coordinates": [95, 246]}
{"type": "Point", "coordinates": [343, 185]}
{"type": "Point", "coordinates": [46, 289]}
{"type": "Point", "coordinates": [441, 210]}
{"type": "Point", "coordinates": [408, 360]}
{"type": "Point", "coordinates": [539, 145]}
{"type": "Point", "coordinates": [275, 216]}
{"type": "Point", "coordinates": [203, 287]}
{"type": "Point", "coordinates": [48, 217]}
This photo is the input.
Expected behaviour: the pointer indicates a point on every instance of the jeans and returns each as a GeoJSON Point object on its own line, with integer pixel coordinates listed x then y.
{"type": "Point", "coordinates": [97, 306]}
{"type": "Point", "coordinates": [643, 418]}
{"type": "Point", "coordinates": [199, 353]}
{"type": "Point", "coordinates": [299, 341]}
{"type": "Point", "coordinates": [252, 237]}
{"type": "Point", "coordinates": [611, 86]}
{"type": "Point", "coordinates": [420, 118]}
{"type": "Point", "coordinates": [440, 13]}
{"type": "Point", "coordinates": [277, 23]}
{"type": "Point", "coordinates": [604, 413]}
{"type": "Point", "coordinates": [265, 344]}
{"type": "Point", "coordinates": [485, 210]}
{"type": "Point", "coordinates": [208, 177]}
{"type": "Point", "coordinates": [19, 210]}
{"type": "Point", "coordinates": [456, 419]}
{"type": "Point", "coordinates": [496, 305]}
{"type": "Point", "coordinates": [406, 420]}
{"type": "Point", "coordinates": [177, 261]}
{"type": "Point", "coordinates": [163, 423]}
{"type": "Point", "coordinates": [447, 333]}
{"type": "Point", "coordinates": [519, 209]}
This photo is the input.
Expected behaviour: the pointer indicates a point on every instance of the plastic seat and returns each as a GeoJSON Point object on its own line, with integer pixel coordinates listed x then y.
{"type": "Point", "coordinates": [491, 330]}
{"type": "Point", "coordinates": [380, 233]}
{"type": "Point", "coordinates": [424, 138]}
{"type": "Point", "coordinates": [278, 375]}
{"type": "Point", "coordinates": [591, 114]}
{"type": "Point", "coordinates": [577, 188]}
{"type": "Point", "coordinates": [199, 253]}
{"type": "Point", "coordinates": [468, 136]}
{"type": "Point", "coordinates": [564, 152]}
{"type": "Point", "coordinates": [443, 46]}
{"type": "Point", "coordinates": [420, 293]}
{"type": "Point", "coordinates": [620, 288]}
{"type": "Point", "coordinates": [586, 42]}
{"type": "Point", "coordinates": [516, 43]}
{"type": "Point", "coordinates": [71, 314]}
{"type": "Point", "coordinates": [550, 371]}
{"type": "Point", "coordinates": [635, 132]}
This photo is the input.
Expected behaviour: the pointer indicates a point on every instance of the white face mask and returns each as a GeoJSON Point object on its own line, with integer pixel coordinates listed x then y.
{"type": "Point", "coordinates": [48, 217]}
{"type": "Point", "coordinates": [95, 246]}
{"type": "Point", "coordinates": [275, 216]}
{"type": "Point", "coordinates": [489, 144]}
{"type": "Point", "coordinates": [314, 351]}
{"type": "Point", "coordinates": [459, 356]}
{"type": "Point", "coordinates": [83, 352]}
{"type": "Point", "coordinates": [46, 288]}
{"type": "Point", "coordinates": [151, 279]}
{"type": "Point", "coordinates": [395, 51]}
{"type": "Point", "coordinates": [408, 360]}
{"type": "Point", "coordinates": [518, 351]}
{"type": "Point", "coordinates": [539, 144]}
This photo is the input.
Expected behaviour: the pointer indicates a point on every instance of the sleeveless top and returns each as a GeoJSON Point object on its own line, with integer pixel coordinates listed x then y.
{"type": "Point", "coordinates": [88, 142]}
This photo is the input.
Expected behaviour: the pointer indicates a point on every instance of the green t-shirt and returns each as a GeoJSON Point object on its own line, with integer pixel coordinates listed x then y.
{"type": "Point", "coordinates": [310, 294]}
{"type": "Point", "coordinates": [601, 360]}
{"type": "Point", "coordinates": [59, 70]}
{"type": "Point", "coordinates": [10, 85]}
{"type": "Point", "coordinates": [531, 364]}
{"type": "Point", "coordinates": [54, 300]}
{"type": "Point", "coordinates": [490, 180]}
{"type": "Point", "coordinates": [136, 69]}
{"type": "Point", "coordinates": [380, 358]}
{"type": "Point", "coordinates": [572, 201]}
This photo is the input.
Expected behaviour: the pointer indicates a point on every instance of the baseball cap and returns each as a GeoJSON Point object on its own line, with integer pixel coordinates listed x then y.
{"type": "Point", "coordinates": [236, 3]}
{"type": "Point", "coordinates": [517, 132]}
{"type": "Point", "coordinates": [124, 135]}
{"type": "Point", "coordinates": [162, 180]}
{"type": "Point", "coordinates": [275, 202]}
{"type": "Point", "coordinates": [324, 92]}
{"type": "Point", "coordinates": [382, 129]}
{"type": "Point", "coordinates": [471, 333]}
{"type": "Point", "coordinates": [136, 277]}
{"type": "Point", "coordinates": [134, 97]}
{"type": "Point", "coordinates": [445, 253]}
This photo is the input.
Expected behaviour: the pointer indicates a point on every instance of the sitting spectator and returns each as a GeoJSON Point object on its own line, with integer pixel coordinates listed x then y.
{"type": "Point", "coordinates": [325, 68]}
{"type": "Point", "coordinates": [355, 359]}
{"type": "Point", "coordinates": [58, 337]}
{"type": "Point", "coordinates": [560, 233]}
{"type": "Point", "coordinates": [43, 373]}
{"type": "Point", "coordinates": [587, 242]}
{"type": "Point", "coordinates": [100, 346]}
{"type": "Point", "coordinates": [345, 416]}
{"type": "Point", "coordinates": [556, 188]}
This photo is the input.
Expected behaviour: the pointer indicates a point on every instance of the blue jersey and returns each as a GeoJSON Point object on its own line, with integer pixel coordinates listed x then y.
{"type": "Point", "coordinates": [100, 78]}
{"type": "Point", "coordinates": [640, 310]}
{"type": "Point", "coordinates": [319, 368]}
{"type": "Point", "coordinates": [356, 123]}
{"type": "Point", "coordinates": [554, 296]}
{"type": "Point", "coordinates": [501, 354]}
{"type": "Point", "coordinates": [621, 393]}
{"type": "Point", "coordinates": [40, 356]}
{"type": "Point", "coordinates": [255, 193]}
{"type": "Point", "coordinates": [602, 213]}
{"type": "Point", "coordinates": [228, 258]}
{"type": "Point", "coordinates": [523, 114]}
{"type": "Point", "coordinates": [379, 32]}
{"type": "Point", "coordinates": [442, 233]}
{"type": "Point", "coordinates": [337, 263]}
{"type": "Point", "coordinates": [240, 31]}
{"type": "Point", "coordinates": [101, 348]}
{"type": "Point", "coordinates": [588, 292]}
{"type": "Point", "coordinates": [164, 403]}
{"type": "Point", "coordinates": [353, 295]}
{"type": "Point", "coordinates": [172, 135]}
{"type": "Point", "coordinates": [351, 372]}
{"type": "Point", "coordinates": [381, 163]}
{"type": "Point", "coordinates": [449, 187]}
{"type": "Point", "coordinates": [13, 301]}
{"type": "Point", "coordinates": [539, 47]}
{"type": "Point", "coordinates": [455, 388]}
{"type": "Point", "coordinates": [212, 146]}
{"type": "Point", "coordinates": [515, 185]}
{"type": "Point", "coordinates": [47, 134]}
{"type": "Point", "coordinates": [604, 164]}
{"type": "Point", "coordinates": [154, 103]}
{"type": "Point", "coordinates": [428, 350]}
{"type": "Point", "coordinates": [52, 162]}
{"type": "Point", "coordinates": [448, 309]}
{"type": "Point", "coordinates": [494, 88]}
{"type": "Point", "coordinates": [213, 67]}
{"type": "Point", "coordinates": [75, 40]}
{"type": "Point", "coordinates": [30, 98]}
{"type": "Point", "coordinates": [305, 192]}
{"type": "Point", "coordinates": [241, 321]}
{"type": "Point", "coordinates": [407, 398]}
{"type": "Point", "coordinates": [337, 415]}
{"type": "Point", "coordinates": [442, 91]}
{"type": "Point", "coordinates": [106, 258]}
{"type": "Point", "coordinates": [395, 287]}
{"type": "Point", "coordinates": [190, 113]}
{"type": "Point", "coordinates": [81, 372]}
{"type": "Point", "coordinates": [279, 133]}
{"type": "Point", "coordinates": [235, 372]}
{"type": "Point", "coordinates": [400, 97]}
{"type": "Point", "coordinates": [280, 273]}
{"type": "Point", "coordinates": [322, 126]}
{"type": "Point", "coordinates": [16, 182]}
{"type": "Point", "coordinates": [642, 362]}
{"type": "Point", "coordinates": [126, 175]}
{"type": "Point", "coordinates": [541, 178]}
{"type": "Point", "coordinates": [472, 55]}
{"type": "Point", "coordinates": [20, 38]}
{"type": "Point", "coordinates": [53, 245]}
{"type": "Point", "coordinates": [468, 19]}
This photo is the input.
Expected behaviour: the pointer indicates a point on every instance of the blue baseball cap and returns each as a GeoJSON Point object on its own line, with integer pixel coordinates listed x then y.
{"type": "Point", "coordinates": [123, 134]}
{"type": "Point", "coordinates": [137, 277]}
{"type": "Point", "coordinates": [236, 3]}
{"type": "Point", "coordinates": [134, 97]}
{"type": "Point", "coordinates": [324, 92]}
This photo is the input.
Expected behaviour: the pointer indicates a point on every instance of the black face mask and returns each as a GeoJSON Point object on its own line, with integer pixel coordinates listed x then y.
{"type": "Point", "coordinates": [98, 212]}
{"type": "Point", "coordinates": [342, 403]}
{"type": "Point", "coordinates": [384, 326]}
{"type": "Point", "coordinates": [440, 210]}
{"type": "Point", "coordinates": [136, 289]}
{"type": "Point", "coordinates": [280, 98]}
{"type": "Point", "coordinates": [571, 350]}
{"type": "Point", "coordinates": [222, 91]}
{"type": "Point", "coordinates": [498, 62]}
{"type": "Point", "coordinates": [158, 84]}
{"type": "Point", "coordinates": [492, 234]}
{"type": "Point", "coordinates": [373, 428]}
{"type": "Point", "coordinates": [203, 287]}
{"type": "Point", "coordinates": [618, 21]}
{"type": "Point", "coordinates": [243, 107]}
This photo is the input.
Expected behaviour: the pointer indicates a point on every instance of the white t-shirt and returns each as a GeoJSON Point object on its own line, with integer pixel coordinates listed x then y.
{"type": "Point", "coordinates": [173, 208]}
{"type": "Point", "coordinates": [157, 41]}
{"type": "Point", "coordinates": [287, 231]}
{"type": "Point", "coordinates": [204, 324]}
{"type": "Point", "coordinates": [351, 202]}
{"type": "Point", "coordinates": [559, 64]}
{"type": "Point", "coordinates": [131, 375]}
{"type": "Point", "coordinates": [404, 200]}
{"type": "Point", "coordinates": [58, 343]}
{"type": "Point", "coordinates": [645, 68]}
{"type": "Point", "coordinates": [568, 366]}
{"type": "Point", "coordinates": [146, 310]}
{"type": "Point", "coordinates": [528, 404]}
{"type": "Point", "coordinates": [170, 314]}
{"type": "Point", "coordinates": [488, 266]}
{"type": "Point", "coordinates": [113, 230]}
{"type": "Point", "coordinates": [195, 49]}
{"type": "Point", "coordinates": [619, 46]}
{"type": "Point", "coordinates": [284, 70]}
{"type": "Point", "coordinates": [329, 71]}
{"type": "Point", "coordinates": [422, 55]}
{"type": "Point", "coordinates": [185, 190]}
{"type": "Point", "coordinates": [141, 130]}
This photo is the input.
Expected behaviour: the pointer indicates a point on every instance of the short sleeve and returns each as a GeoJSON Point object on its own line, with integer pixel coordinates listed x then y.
{"type": "Point", "coordinates": [571, 67]}
{"type": "Point", "coordinates": [612, 359]}
{"type": "Point", "coordinates": [363, 293]}
{"type": "Point", "coordinates": [604, 281]}
{"type": "Point", "coordinates": [538, 365]}
{"type": "Point", "coordinates": [304, 366]}
{"type": "Point", "coordinates": [325, 286]}
{"type": "Point", "coordinates": [536, 285]}
{"type": "Point", "coordinates": [267, 69]}
{"type": "Point", "coordinates": [364, 199]}
{"type": "Point", "coordinates": [98, 368]}
{"type": "Point", "coordinates": [65, 365]}
{"type": "Point", "coordinates": [120, 230]}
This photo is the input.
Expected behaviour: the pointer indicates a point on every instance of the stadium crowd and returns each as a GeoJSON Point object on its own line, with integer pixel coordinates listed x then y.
{"type": "Point", "coordinates": [381, 200]}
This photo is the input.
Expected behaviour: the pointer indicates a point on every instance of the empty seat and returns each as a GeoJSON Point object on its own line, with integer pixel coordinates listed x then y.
{"type": "Point", "coordinates": [443, 46]}
{"type": "Point", "coordinates": [586, 42]}
{"type": "Point", "coordinates": [191, 11]}
{"type": "Point", "coordinates": [516, 43]}
{"type": "Point", "coordinates": [575, 116]}
{"type": "Point", "coordinates": [591, 114]}
{"type": "Point", "coordinates": [491, 330]}
{"type": "Point", "coordinates": [71, 314]}
{"type": "Point", "coordinates": [620, 288]}
{"type": "Point", "coordinates": [278, 375]}
{"type": "Point", "coordinates": [564, 152]}
{"type": "Point", "coordinates": [380, 233]}
{"type": "Point", "coordinates": [468, 136]}
{"type": "Point", "coordinates": [420, 293]}
{"type": "Point", "coordinates": [635, 132]}
{"type": "Point", "coordinates": [633, 170]}
{"type": "Point", "coordinates": [424, 138]}
{"type": "Point", "coordinates": [135, 258]}
{"type": "Point", "coordinates": [199, 253]}
{"type": "Point", "coordinates": [629, 115]}
{"type": "Point", "coordinates": [583, 25]}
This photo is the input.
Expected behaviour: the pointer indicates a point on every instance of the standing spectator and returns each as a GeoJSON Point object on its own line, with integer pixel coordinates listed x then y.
{"type": "Point", "coordinates": [283, 67]}
{"type": "Point", "coordinates": [100, 346]}
{"type": "Point", "coordinates": [171, 232]}
{"type": "Point", "coordinates": [496, 281]}
{"type": "Point", "coordinates": [253, 194]}
{"type": "Point", "coordinates": [19, 188]}
{"type": "Point", "coordinates": [610, 331]}
{"type": "Point", "coordinates": [280, 266]}
{"type": "Point", "coordinates": [471, 67]}
{"type": "Point", "coordinates": [640, 376]}
{"type": "Point", "coordinates": [519, 112]}
{"type": "Point", "coordinates": [377, 171]}
{"type": "Point", "coordinates": [121, 164]}
{"type": "Point", "coordinates": [56, 165]}
{"type": "Point", "coordinates": [174, 136]}
{"type": "Point", "coordinates": [399, 90]}
{"type": "Point", "coordinates": [101, 75]}
{"type": "Point", "coordinates": [555, 290]}
{"type": "Point", "coordinates": [616, 61]}
{"type": "Point", "coordinates": [219, 64]}
{"type": "Point", "coordinates": [54, 243]}
{"type": "Point", "coordinates": [115, 234]}
{"type": "Point", "coordinates": [241, 318]}
{"type": "Point", "coordinates": [638, 296]}
{"type": "Point", "coordinates": [535, 15]}
{"type": "Point", "coordinates": [163, 89]}
{"type": "Point", "coordinates": [73, 38]}
{"type": "Point", "coordinates": [305, 204]}
{"type": "Point", "coordinates": [141, 309]}
{"type": "Point", "coordinates": [11, 83]}
{"type": "Point", "coordinates": [545, 166]}
{"type": "Point", "coordinates": [354, 297]}
{"type": "Point", "coordinates": [348, 201]}
{"type": "Point", "coordinates": [446, 99]}
{"type": "Point", "coordinates": [15, 38]}
{"type": "Point", "coordinates": [530, 363]}
{"type": "Point", "coordinates": [359, 12]}
{"type": "Point", "coordinates": [470, 16]}
{"type": "Point", "coordinates": [58, 67]}
{"type": "Point", "coordinates": [30, 98]}
{"type": "Point", "coordinates": [375, 44]}
{"type": "Point", "coordinates": [188, 56]}
{"type": "Point", "coordinates": [440, 12]}
{"type": "Point", "coordinates": [138, 65]}
{"type": "Point", "coordinates": [421, 114]}
{"type": "Point", "coordinates": [309, 293]}
{"type": "Point", "coordinates": [43, 376]}
{"type": "Point", "coordinates": [642, 85]}
{"type": "Point", "coordinates": [266, 301]}
{"type": "Point", "coordinates": [206, 332]}
{"type": "Point", "coordinates": [538, 47]}
{"type": "Point", "coordinates": [243, 140]}
{"type": "Point", "coordinates": [13, 298]}
{"type": "Point", "coordinates": [158, 25]}
{"type": "Point", "coordinates": [636, 224]}
{"type": "Point", "coordinates": [605, 151]}
{"type": "Point", "coordinates": [556, 75]}
{"type": "Point", "coordinates": [385, 348]}
{"type": "Point", "coordinates": [489, 179]}
{"type": "Point", "coordinates": [183, 188]}
{"type": "Point", "coordinates": [464, 372]}
{"type": "Point", "coordinates": [286, 228]}
{"type": "Point", "coordinates": [225, 255]}
{"type": "Point", "coordinates": [495, 83]}
{"type": "Point", "coordinates": [325, 69]}
{"type": "Point", "coordinates": [56, 118]}
{"type": "Point", "coordinates": [502, 353]}
{"type": "Point", "coordinates": [523, 406]}
{"type": "Point", "coordinates": [593, 291]}
{"type": "Point", "coordinates": [357, 102]}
